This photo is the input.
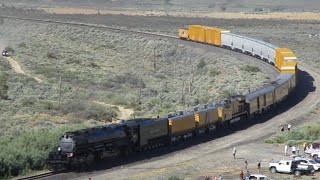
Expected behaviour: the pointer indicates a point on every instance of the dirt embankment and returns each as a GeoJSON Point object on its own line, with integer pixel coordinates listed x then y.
{"type": "Point", "coordinates": [200, 14]}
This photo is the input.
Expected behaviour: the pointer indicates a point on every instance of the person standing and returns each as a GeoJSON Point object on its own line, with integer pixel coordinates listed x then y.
{"type": "Point", "coordinates": [293, 148]}
{"type": "Point", "coordinates": [241, 175]}
{"type": "Point", "coordinates": [289, 127]}
{"type": "Point", "coordinates": [298, 149]}
{"type": "Point", "coordinates": [247, 175]}
{"type": "Point", "coordinates": [246, 165]}
{"type": "Point", "coordinates": [234, 151]}
{"type": "Point", "coordinates": [286, 150]}
{"type": "Point", "coordinates": [259, 166]}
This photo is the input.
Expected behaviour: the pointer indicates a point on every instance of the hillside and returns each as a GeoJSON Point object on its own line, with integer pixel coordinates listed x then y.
{"type": "Point", "coordinates": [150, 75]}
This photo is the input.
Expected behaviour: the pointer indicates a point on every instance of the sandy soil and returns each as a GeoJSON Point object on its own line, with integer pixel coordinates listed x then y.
{"type": "Point", "coordinates": [224, 15]}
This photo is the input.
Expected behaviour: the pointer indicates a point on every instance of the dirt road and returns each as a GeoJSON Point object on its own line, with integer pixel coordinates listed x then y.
{"type": "Point", "coordinates": [17, 68]}
{"type": "Point", "coordinates": [200, 14]}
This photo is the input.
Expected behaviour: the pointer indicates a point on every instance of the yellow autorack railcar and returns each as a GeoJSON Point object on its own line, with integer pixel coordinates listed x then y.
{"type": "Point", "coordinates": [197, 33]}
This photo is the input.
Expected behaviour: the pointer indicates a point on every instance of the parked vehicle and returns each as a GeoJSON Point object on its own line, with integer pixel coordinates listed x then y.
{"type": "Point", "coordinates": [316, 166]}
{"type": "Point", "coordinates": [291, 166]}
{"type": "Point", "coordinates": [258, 177]}
{"type": "Point", "coordinates": [5, 53]}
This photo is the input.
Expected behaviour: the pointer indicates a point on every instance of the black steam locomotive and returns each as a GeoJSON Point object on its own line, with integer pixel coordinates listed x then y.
{"type": "Point", "coordinates": [81, 148]}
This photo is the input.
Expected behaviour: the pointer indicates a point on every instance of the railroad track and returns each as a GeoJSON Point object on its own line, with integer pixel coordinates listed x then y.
{"type": "Point", "coordinates": [39, 176]}
{"type": "Point", "coordinates": [274, 70]}
{"type": "Point", "coordinates": [45, 175]}
{"type": "Point", "coordinates": [90, 25]}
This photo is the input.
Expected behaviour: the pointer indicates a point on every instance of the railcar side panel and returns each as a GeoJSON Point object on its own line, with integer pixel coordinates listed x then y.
{"type": "Point", "coordinates": [197, 33]}
{"type": "Point", "coordinates": [152, 129]}
{"type": "Point", "coordinates": [253, 105]}
{"type": "Point", "coordinates": [212, 116]}
{"type": "Point", "coordinates": [181, 124]}
{"type": "Point", "coordinates": [282, 91]}
{"type": "Point", "coordinates": [213, 35]}
{"type": "Point", "coordinates": [226, 40]}
{"type": "Point", "coordinates": [200, 118]}
{"type": "Point", "coordinates": [237, 43]}
{"type": "Point", "coordinates": [269, 98]}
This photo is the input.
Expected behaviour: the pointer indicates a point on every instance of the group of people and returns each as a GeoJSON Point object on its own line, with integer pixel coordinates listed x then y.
{"type": "Point", "coordinates": [288, 127]}
{"type": "Point", "coordinates": [294, 149]}
{"type": "Point", "coordinates": [247, 174]}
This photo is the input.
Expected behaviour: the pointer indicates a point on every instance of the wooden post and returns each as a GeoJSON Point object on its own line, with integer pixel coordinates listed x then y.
{"type": "Point", "coordinates": [140, 91]}
{"type": "Point", "coordinates": [60, 86]}
{"type": "Point", "coordinates": [182, 92]}
{"type": "Point", "coordinates": [191, 79]}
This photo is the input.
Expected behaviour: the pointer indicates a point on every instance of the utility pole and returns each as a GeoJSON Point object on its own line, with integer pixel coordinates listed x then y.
{"type": "Point", "coordinates": [140, 91]}
{"type": "Point", "coordinates": [60, 86]}
{"type": "Point", "coordinates": [182, 92]}
{"type": "Point", "coordinates": [191, 79]}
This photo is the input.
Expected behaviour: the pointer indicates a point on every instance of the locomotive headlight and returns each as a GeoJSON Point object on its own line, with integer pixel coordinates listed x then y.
{"type": "Point", "coordinates": [59, 148]}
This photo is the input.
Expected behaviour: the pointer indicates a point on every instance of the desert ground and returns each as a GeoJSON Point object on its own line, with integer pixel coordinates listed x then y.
{"type": "Point", "coordinates": [88, 56]}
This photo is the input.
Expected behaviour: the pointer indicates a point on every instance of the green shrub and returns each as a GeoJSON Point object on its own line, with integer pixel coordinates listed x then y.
{"type": "Point", "coordinates": [269, 141]}
{"type": "Point", "coordinates": [3, 85]}
{"type": "Point", "coordinates": [9, 49]}
{"type": "Point", "coordinates": [223, 8]}
{"type": "Point", "coordinates": [201, 64]}
{"type": "Point", "coordinates": [214, 72]}
{"type": "Point", "coordinates": [29, 150]}
{"type": "Point", "coordinates": [85, 110]}
{"type": "Point", "coordinates": [173, 178]}
{"type": "Point", "coordinates": [249, 68]}
{"type": "Point", "coordinates": [51, 55]}
{"type": "Point", "coordinates": [98, 112]}
{"type": "Point", "coordinates": [22, 45]}
{"type": "Point", "coordinates": [307, 133]}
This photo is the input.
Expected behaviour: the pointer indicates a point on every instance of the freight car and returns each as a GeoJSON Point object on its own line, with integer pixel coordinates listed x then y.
{"type": "Point", "coordinates": [225, 39]}
{"type": "Point", "coordinates": [82, 147]}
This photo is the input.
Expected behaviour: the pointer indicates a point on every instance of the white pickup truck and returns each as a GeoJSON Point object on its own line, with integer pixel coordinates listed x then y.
{"type": "Point", "coordinates": [290, 166]}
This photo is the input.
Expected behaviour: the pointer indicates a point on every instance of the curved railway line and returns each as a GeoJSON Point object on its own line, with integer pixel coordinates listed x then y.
{"type": "Point", "coordinates": [306, 98]}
